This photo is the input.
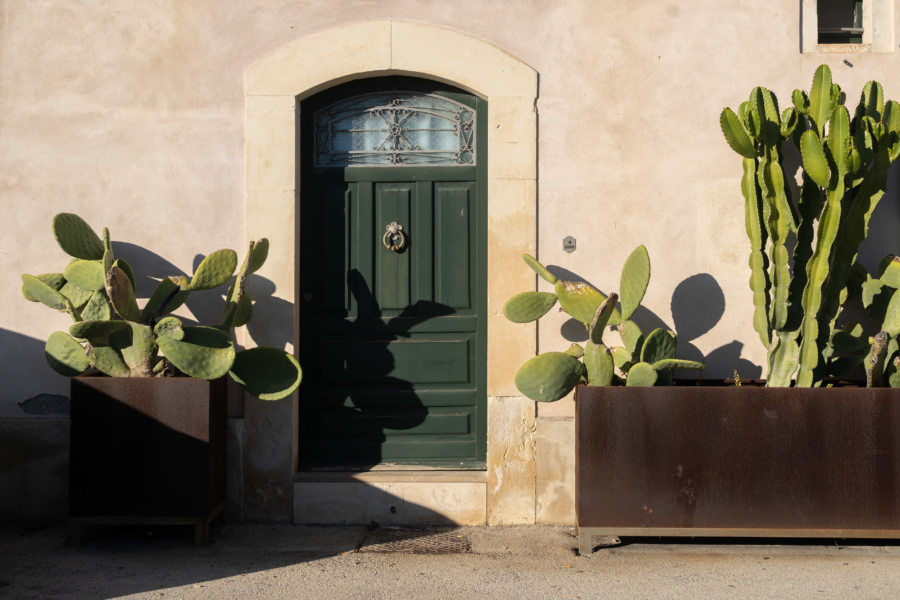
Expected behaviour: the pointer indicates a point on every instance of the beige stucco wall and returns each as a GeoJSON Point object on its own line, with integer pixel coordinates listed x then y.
{"type": "Point", "coordinates": [134, 115]}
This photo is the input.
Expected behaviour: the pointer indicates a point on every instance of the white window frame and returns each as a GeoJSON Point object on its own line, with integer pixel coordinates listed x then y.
{"type": "Point", "coordinates": [878, 29]}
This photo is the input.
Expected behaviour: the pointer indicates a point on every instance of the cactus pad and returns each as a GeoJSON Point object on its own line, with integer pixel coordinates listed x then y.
{"type": "Point", "coordinates": [108, 361]}
{"type": "Point", "coordinates": [170, 327]}
{"type": "Point", "coordinates": [121, 294]}
{"type": "Point", "coordinates": [267, 373]}
{"type": "Point", "coordinates": [54, 280]}
{"type": "Point", "coordinates": [75, 294]}
{"type": "Point", "coordinates": [214, 270]}
{"type": "Point", "coordinates": [96, 330]}
{"type": "Point", "coordinates": [76, 237]}
{"type": "Point", "coordinates": [137, 346]}
{"type": "Point", "coordinates": [548, 377]}
{"type": "Point", "coordinates": [539, 269]}
{"type": "Point", "coordinates": [204, 352]}
{"type": "Point", "coordinates": [238, 313]}
{"type": "Point", "coordinates": [632, 336]}
{"type": "Point", "coordinates": [575, 350]}
{"type": "Point", "coordinates": [97, 308]}
{"type": "Point", "coordinates": [257, 255]}
{"type": "Point", "coordinates": [634, 280]}
{"type": "Point", "coordinates": [65, 355]}
{"type": "Point", "coordinates": [641, 375]}
{"type": "Point", "coordinates": [528, 306]}
{"type": "Point", "coordinates": [43, 293]}
{"type": "Point", "coordinates": [601, 318]}
{"type": "Point", "coordinates": [659, 345]}
{"type": "Point", "coordinates": [86, 274]}
{"type": "Point", "coordinates": [623, 358]}
{"type": "Point", "coordinates": [678, 363]}
{"type": "Point", "coordinates": [166, 298]}
{"type": "Point", "coordinates": [598, 363]}
{"type": "Point", "coordinates": [123, 264]}
{"type": "Point", "coordinates": [579, 299]}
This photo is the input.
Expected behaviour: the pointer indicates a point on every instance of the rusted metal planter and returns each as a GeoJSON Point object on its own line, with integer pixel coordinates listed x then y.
{"type": "Point", "coordinates": [736, 462]}
{"type": "Point", "coordinates": [146, 451]}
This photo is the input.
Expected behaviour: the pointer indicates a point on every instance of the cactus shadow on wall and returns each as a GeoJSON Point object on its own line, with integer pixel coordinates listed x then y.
{"type": "Point", "coordinates": [270, 314]}
{"type": "Point", "coordinates": [884, 227]}
{"type": "Point", "coordinates": [698, 304]}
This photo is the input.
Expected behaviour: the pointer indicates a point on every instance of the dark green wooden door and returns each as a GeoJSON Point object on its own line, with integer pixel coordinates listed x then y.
{"type": "Point", "coordinates": [393, 339]}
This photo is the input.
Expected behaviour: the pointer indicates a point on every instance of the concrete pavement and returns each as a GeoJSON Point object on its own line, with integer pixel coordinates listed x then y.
{"type": "Point", "coordinates": [260, 561]}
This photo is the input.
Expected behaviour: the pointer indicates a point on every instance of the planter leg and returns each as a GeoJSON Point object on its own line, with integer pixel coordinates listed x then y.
{"type": "Point", "coordinates": [201, 532]}
{"type": "Point", "coordinates": [588, 539]}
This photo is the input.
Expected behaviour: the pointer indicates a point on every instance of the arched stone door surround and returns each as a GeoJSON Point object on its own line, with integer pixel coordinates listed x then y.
{"type": "Point", "coordinates": [273, 87]}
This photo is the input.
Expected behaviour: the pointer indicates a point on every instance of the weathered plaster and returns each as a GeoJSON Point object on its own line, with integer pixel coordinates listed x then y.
{"type": "Point", "coordinates": [554, 441]}
{"type": "Point", "coordinates": [511, 461]}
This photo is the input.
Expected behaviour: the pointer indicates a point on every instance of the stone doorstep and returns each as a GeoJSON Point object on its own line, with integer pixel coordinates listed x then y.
{"type": "Point", "coordinates": [419, 498]}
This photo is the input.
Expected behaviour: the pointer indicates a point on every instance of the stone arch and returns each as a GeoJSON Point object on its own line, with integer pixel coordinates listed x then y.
{"type": "Point", "coordinates": [273, 87]}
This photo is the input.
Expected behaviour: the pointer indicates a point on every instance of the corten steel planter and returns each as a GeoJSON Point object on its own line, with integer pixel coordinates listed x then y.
{"type": "Point", "coordinates": [737, 462]}
{"type": "Point", "coordinates": [146, 450]}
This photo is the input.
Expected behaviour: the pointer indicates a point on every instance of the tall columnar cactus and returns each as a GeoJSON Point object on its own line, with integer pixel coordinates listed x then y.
{"type": "Point", "coordinates": [113, 335]}
{"type": "Point", "coordinates": [845, 162]}
{"type": "Point", "coordinates": [879, 353]}
{"type": "Point", "coordinates": [643, 361]}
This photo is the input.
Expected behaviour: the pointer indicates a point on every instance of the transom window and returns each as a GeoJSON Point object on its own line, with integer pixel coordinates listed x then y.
{"type": "Point", "coordinates": [395, 128]}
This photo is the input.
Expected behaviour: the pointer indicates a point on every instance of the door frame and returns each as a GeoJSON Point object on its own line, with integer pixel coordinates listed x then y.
{"type": "Point", "coordinates": [273, 86]}
{"type": "Point", "coordinates": [477, 172]}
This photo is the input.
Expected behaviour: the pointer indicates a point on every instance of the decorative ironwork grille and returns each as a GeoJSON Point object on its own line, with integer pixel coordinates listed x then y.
{"type": "Point", "coordinates": [395, 128]}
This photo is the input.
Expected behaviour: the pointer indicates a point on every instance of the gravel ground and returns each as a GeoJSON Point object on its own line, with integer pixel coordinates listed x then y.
{"type": "Point", "coordinates": [285, 561]}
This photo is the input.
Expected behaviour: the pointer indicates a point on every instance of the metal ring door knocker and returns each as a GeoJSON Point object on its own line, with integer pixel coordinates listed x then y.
{"type": "Point", "coordinates": [394, 237]}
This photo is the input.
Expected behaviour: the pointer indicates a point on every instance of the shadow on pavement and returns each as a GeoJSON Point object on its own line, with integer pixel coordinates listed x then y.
{"type": "Point", "coordinates": [162, 561]}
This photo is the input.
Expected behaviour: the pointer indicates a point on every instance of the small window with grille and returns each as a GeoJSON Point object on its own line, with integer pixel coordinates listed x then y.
{"type": "Point", "coordinates": [847, 26]}
{"type": "Point", "coordinates": [840, 21]}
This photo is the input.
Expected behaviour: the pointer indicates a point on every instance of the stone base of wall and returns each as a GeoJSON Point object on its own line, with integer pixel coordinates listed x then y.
{"type": "Point", "coordinates": [530, 476]}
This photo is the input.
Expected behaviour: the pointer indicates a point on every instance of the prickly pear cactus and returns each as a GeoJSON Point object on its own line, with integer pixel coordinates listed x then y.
{"type": "Point", "coordinates": [552, 375]}
{"type": "Point", "coordinates": [113, 335]}
{"type": "Point", "coordinates": [797, 299]}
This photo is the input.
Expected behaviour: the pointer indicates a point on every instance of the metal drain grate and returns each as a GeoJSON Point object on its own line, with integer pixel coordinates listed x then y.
{"type": "Point", "coordinates": [415, 541]}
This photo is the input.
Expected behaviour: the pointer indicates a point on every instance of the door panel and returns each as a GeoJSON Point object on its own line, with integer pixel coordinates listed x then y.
{"type": "Point", "coordinates": [453, 266]}
{"type": "Point", "coordinates": [332, 212]}
{"type": "Point", "coordinates": [393, 204]}
{"type": "Point", "coordinates": [392, 343]}
{"type": "Point", "coordinates": [374, 359]}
